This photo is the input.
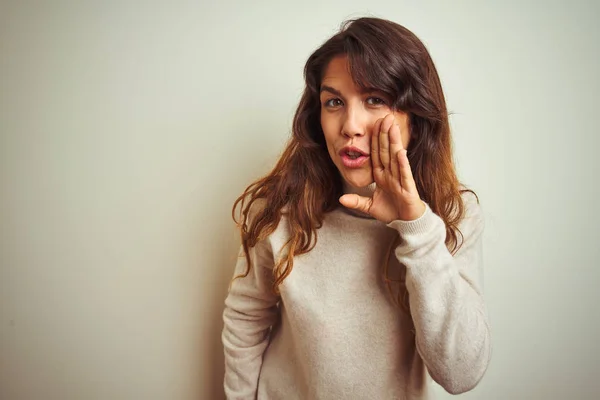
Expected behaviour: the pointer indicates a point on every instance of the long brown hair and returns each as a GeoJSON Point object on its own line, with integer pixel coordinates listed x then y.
{"type": "Point", "coordinates": [305, 184]}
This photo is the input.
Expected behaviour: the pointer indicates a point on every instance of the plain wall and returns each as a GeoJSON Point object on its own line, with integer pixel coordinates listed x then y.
{"type": "Point", "coordinates": [127, 129]}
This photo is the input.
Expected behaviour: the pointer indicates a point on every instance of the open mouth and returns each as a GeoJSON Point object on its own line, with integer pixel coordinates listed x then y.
{"type": "Point", "coordinates": [353, 157]}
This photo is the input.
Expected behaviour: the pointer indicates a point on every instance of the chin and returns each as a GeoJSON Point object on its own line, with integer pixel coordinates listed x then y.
{"type": "Point", "coordinates": [359, 179]}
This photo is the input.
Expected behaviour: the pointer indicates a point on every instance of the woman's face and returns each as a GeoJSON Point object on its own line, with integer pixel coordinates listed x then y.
{"type": "Point", "coordinates": [347, 119]}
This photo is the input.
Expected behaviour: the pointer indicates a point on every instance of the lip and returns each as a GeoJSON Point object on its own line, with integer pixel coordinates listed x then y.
{"type": "Point", "coordinates": [353, 163]}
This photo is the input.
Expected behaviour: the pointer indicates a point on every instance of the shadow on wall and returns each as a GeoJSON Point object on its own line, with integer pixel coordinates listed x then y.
{"type": "Point", "coordinates": [216, 272]}
{"type": "Point", "coordinates": [215, 360]}
{"type": "Point", "coordinates": [224, 248]}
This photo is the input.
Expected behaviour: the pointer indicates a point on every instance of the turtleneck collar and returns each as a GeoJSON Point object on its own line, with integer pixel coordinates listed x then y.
{"type": "Point", "coordinates": [366, 191]}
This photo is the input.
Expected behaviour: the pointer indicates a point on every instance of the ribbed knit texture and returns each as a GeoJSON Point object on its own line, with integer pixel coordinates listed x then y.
{"type": "Point", "coordinates": [336, 334]}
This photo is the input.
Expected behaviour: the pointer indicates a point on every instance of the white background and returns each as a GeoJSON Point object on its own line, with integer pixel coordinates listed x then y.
{"type": "Point", "coordinates": [129, 128]}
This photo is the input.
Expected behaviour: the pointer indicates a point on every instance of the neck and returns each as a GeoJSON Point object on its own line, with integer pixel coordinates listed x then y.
{"type": "Point", "coordinates": [365, 191]}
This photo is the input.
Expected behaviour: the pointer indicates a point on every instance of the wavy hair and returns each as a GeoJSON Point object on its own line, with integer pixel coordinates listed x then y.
{"type": "Point", "coordinates": [305, 185]}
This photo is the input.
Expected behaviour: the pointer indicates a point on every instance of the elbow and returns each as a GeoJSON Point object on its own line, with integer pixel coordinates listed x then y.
{"type": "Point", "coordinates": [456, 387]}
{"type": "Point", "coordinates": [459, 383]}
{"type": "Point", "coordinates": [463, 375]}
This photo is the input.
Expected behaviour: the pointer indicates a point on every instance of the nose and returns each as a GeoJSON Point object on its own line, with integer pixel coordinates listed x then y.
{"type": "Point", "coordinates": [355, 122]}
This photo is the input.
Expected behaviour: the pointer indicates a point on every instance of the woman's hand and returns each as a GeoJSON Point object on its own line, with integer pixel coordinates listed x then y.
{"type": "Point", "coordinates": [396, 196]}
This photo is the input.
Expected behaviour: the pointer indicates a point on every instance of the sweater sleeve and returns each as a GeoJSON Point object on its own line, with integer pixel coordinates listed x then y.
{"type": "Point", "coordinates": [250, 311]}
{"type": "Point", "coordinates": [446, 297]}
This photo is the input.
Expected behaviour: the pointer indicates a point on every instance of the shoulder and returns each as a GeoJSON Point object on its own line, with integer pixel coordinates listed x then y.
{"type": "Point", "coordinates": [470, 200]}
{"type": "Point", "coordinates": [472, 219]}
{"type": "Point", "coordinates": [256, 208]}
{"type": "Point", "coordinates": [260, 209]}
{"type": "Point", "coordinates": [261, 204]}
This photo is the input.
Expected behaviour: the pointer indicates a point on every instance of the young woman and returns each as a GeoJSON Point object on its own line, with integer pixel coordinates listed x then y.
{"type": "Point", "coordinates": [360, 268]}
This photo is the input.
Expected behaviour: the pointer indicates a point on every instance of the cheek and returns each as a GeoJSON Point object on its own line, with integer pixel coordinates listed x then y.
{"type": "Point", "coordinates": [330, 129]}
{"type": "Point", "coordinates": [377, 115]}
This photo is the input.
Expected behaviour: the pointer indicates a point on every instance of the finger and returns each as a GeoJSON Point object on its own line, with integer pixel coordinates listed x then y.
{"type": "Point", "coordinates": [356, 202]}
{"type": "Point", "coordinates": [395, 147]}
{"type": "Point", "coordinates": [396, 136]}
{"type": "Point", "coordinates": [384, 141]}
{"type": "Point", "coordinates": [375, 160]}
{"type": "Point", "coordinates": [406, 177]}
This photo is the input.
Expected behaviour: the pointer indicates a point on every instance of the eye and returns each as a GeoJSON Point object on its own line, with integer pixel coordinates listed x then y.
{"type": "Point", "coordinates": [375, 101]}
{"type": "Point", "coordinates": [332, 103]}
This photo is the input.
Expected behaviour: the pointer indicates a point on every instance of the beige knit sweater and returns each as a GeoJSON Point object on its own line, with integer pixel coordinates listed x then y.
{"type": "Point", "coordinates": [336, 334]}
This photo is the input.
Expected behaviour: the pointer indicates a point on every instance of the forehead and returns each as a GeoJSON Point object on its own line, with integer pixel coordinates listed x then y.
{"type": "Point", "coordinates": [337, 72]}
{"type": "Point", "coordinates": [337, 75]}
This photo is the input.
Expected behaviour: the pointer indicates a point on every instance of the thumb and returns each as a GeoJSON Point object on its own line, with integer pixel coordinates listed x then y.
{"type": "Point", "coordinates": [356, 202]}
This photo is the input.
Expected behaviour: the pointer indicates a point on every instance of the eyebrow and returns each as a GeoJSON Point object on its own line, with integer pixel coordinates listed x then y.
{"type": "Point", "coordinates": [325, 88]}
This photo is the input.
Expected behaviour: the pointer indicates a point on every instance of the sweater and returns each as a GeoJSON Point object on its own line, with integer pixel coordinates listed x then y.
{"type": "Point", "coordinates": [333, 332]}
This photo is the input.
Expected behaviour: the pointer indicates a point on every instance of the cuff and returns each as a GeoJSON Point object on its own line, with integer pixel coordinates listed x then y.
{"type": "Point", "coordinates": [425, 223]}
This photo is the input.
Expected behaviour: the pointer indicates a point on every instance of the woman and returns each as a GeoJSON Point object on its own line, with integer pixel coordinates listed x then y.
{"type": "Point", "coordinates": [361, 252]}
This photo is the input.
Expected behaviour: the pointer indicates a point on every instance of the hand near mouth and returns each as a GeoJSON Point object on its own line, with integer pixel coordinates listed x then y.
{"type": "Point", "coordinates": [396, 196]}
